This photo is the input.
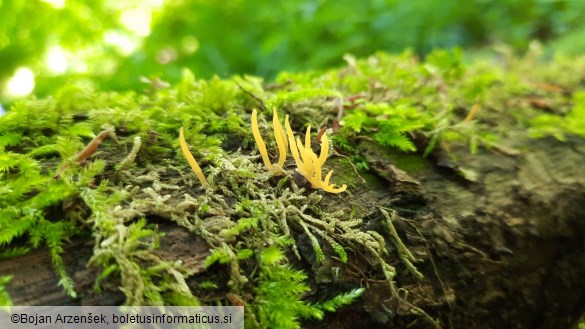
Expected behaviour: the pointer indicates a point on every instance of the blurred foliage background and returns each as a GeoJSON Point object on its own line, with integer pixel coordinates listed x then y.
{"type": "Point", "coordinates": [111, 44]}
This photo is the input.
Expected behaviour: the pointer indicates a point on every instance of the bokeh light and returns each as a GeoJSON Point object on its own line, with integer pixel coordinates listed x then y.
{"type": "Point", "coordinates": [57, 60]}
{"type": "Point", "coordinates": [22, 83]}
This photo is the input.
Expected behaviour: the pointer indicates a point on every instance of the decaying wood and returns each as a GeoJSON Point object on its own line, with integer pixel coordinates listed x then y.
{"type": "Point", "coordinates": [503, 250]}
{"type": "Point", "coordinates": [35, 282]}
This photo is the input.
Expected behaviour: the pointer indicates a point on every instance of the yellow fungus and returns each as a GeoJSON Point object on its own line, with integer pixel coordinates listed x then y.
{"type": "Point", "coordinates": [281, 142]}
{"type": "Point", "coordinates": [472, 113]}
{"type": "Point", "coordinates": [259, 140]}
{"type": "Point", "coordinates": [280, 138]}
{"type": "Point", "coordinates": [191, 159]}
{"type": "Point", "coordinates": [308, 164]}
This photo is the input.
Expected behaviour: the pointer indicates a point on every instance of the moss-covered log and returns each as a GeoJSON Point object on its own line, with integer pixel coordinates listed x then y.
{"type": "Point", "coordinates": [464, 202]}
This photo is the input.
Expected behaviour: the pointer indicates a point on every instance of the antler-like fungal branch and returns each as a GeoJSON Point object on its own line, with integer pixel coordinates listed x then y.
{"type": "Point", "coordinates": [281, 142]}
{"type": "Point", "coordinates": [308, 164]}
{"type": "Point", "coordinates": [191, 159]}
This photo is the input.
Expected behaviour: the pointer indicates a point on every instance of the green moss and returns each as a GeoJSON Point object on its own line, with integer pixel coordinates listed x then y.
{"type": "Point", "coordinates": [255, 224]}
{"type": "Point", "coordinates": [4, 296]}
{"type": "Point", "coordinates": [278, 302]}
{"type": "Point", "coordinates": [412, 164]}
{"type": "Point", "coordinates": [573, 123]}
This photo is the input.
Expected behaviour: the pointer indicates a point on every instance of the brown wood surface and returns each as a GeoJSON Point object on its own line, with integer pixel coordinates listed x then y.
{"type": "Point", "coordinates": [35, 282]}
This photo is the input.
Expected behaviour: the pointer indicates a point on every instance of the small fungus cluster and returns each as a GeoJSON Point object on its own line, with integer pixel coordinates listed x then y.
{"type": "Point", "coordinates": [276, 169]}
{"type": "Point", "coordinates": [308, 163]}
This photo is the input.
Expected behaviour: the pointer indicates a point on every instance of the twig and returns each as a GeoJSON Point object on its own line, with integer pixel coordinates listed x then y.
{"type": "Point", "coordinates": [251, 95]}
{"type": "Point", "coordinates": [89, 149]}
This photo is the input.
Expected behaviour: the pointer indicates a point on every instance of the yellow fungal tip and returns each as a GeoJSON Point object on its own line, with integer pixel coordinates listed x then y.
{"type": "Point", "coordinates": [259, 140]}
{"type": "Point", "coordinates": [191, 159]}
{"type": "Point", "coordinates": [280, 138]}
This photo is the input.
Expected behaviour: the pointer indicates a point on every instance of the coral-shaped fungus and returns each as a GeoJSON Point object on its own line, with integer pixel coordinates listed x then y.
{"type": "Point", "coordinates": [308, 164]}
{"type": "Point", "coordinates": [191, 159]}
{"type": "Point", "coordinates": [276, 169]}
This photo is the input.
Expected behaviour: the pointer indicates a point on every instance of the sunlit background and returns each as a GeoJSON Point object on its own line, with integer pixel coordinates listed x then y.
{"type": "Point", "coordinates": [121, 44]}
